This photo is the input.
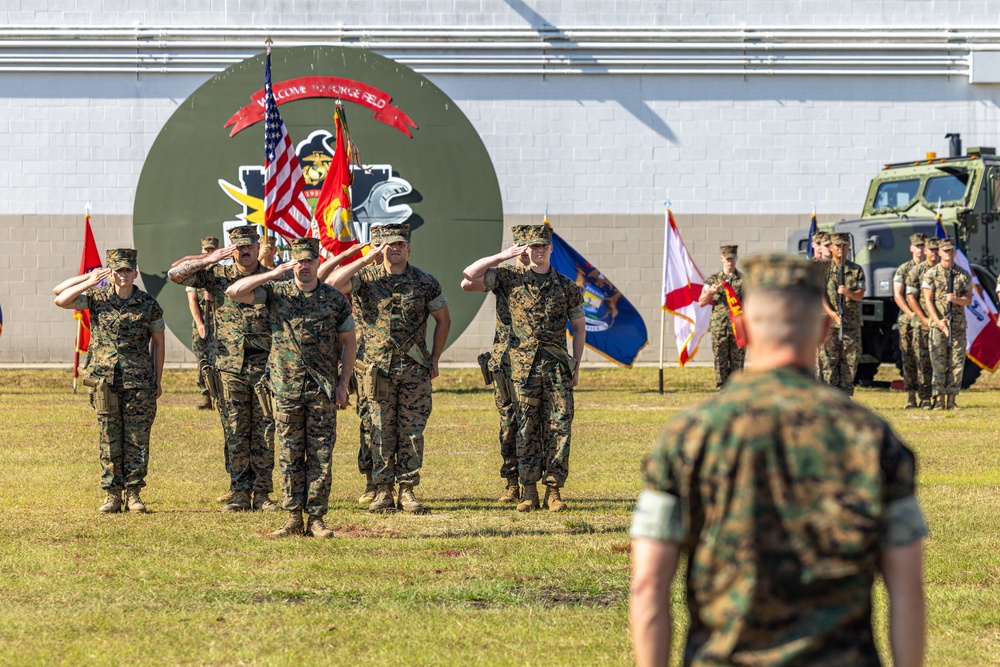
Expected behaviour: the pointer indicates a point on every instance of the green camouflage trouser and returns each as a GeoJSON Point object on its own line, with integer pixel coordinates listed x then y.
{"type": "Point", "coordinates": [199, 347]}
{"type": "Point", "coordinates": [398, 421]}
{"type": "Point", "coordinates": [947, 360]}
{"type": "Point", "coordinates": [306, 431]}
{"type": "Point", "coordinates": [545, 419]}
{"type": "Point", "coordinates": [124, 437]}
{"type": "Point", "coordinates": [249, 435]}
{"type": "Point", "coordinates": [839, 358]}
{"type": "Point", "coordinates": [364, 436]}
{"type": "Point", "coordinates": [925, 370]}
{"type": "Point", "coordinates": [507, 407]}
{"type": "Point", "coordinates": [908, 350]}
{"type": "Point", "coordinates": [728, 355]}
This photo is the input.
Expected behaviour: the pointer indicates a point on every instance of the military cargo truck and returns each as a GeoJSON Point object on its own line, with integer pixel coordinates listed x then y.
{"type": "Point", "coordinates": [903, 199]}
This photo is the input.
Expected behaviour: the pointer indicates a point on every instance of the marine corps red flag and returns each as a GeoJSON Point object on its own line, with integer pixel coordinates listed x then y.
{"type": "Point", "coordinates": [735, 314]}
{"type": "Point", "coordinates": [333, 214]}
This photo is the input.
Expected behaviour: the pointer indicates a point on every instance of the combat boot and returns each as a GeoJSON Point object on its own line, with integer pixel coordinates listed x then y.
{"type": "Point", "coordinates": [293, 526]}
{"type": "Point", "coordinates": [317, 528]}
{"type": "Point", "coordinates": [384, 501]}
{"type": "Point", "coordinates": [529, 498]}
{"type": "Point", "coordinates": [369, 495]}
{"type": "Point", "coordinates": [938, 403]}
{"type": "Point", "coordinates": [925, 403]}
{"type": "Point", "coordinates": [951, 405]}
{"type": "Point", "coordinates": [911, 401]}
{"type": "Point", "coordinates": [225, 497]}
{"type": "Point", "coordinates": [552, 500]}
{"type": "Point", "coordinates": [513, 492]}
{"type": "Point", "coordinates": [262, 502]}
{"type": "Point", "coordinates": [239, 503]}
{"type": "Point", "coordinates": [133, 503]}
{"type": "Point", "coordinates": [113, 502]}
{"type": "Point", "coordinates": [408, 502]}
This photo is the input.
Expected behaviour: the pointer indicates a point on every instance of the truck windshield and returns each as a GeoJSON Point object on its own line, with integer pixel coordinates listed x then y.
{"type": "Point", "coordinates": [945, 188]}
{"type": "Point", "coordinates": [895, 194]}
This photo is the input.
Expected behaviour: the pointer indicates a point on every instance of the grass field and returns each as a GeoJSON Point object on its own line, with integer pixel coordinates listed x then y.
{"type": "Point", "coordinates": [471, 584]}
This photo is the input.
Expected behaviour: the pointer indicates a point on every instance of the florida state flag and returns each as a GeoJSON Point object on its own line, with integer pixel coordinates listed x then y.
{"type": "Point", "coordinates": [682, 285]}
{"type": "Point", "coordinates": [90, 260]}
{"type": "Point", "coordinates": [332, 216]}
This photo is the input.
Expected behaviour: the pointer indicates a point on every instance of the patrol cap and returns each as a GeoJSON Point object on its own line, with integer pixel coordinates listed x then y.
{"type": "Point", "coordinates": [532, 234]}
{"type": "Point", "coordinates": [784, 272]}
{"type": "Point", "coordinates": [245, 235]}
{"type": "Point", "coordinates": [304, 248]}
{"type": "Point", "coordinates": [932, 243]}
{"type": "Point", "coordinates": [729, 251]}
{"type": "Point", "coordinates": [840, 238]}
{"type": "Point", "coordinates": [385, 234]}
{"type": "Point", "coordinates": [946, 244]}
{"type": "Point", "coordinates": [121, 258]}
{"type": "Point", "coordinates": [918, 239]}
{"type": "Point", "coordinates": [209, 243]}
{"type": "Point", "coordinates": [822, 238]}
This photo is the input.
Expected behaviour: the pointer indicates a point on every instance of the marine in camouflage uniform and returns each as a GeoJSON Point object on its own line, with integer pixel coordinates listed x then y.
{"type": "Point", "coordinates": [200, 302]}
{"type": "Point", "coordinates": [786, 499]}
{"type": "Point", "coordinates": [728, 356]}
{"type": "Point", "coordinates": [921, 324]}
{"type": "Point", "coordinates": [947, 333]}
{"type": "Point", "coordinates": [310, 365]}
{"type": "Point", "coordinates": [821, 254]}
{"type": "Point", "coordinates": [242, 343]}
{"type": "Point", "coordinates": [393, 302]}
{"type": "Point", "coordinates": [124, 367]}
{"type": "Point", "coordinates": [907, 322]}
{"type": "Point", "coordinates": [840, 352]}
{"type": "Point", "coordinates": [541, 300]}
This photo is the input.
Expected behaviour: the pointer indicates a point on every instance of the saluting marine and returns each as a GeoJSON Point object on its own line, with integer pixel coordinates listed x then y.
{"type": "Point", "coordinates": [907, 323]}
{"type": "Point", "coordinates": [203, 329]}
{"type": "Point", "coordinates": [947, 290]}
{"type": "Point", "coordinates": [728, 356]}
{"type": "Point", "coordinates": [845, 288]}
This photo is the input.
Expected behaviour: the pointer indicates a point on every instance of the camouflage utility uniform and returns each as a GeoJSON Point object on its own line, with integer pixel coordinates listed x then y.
{"type": "Point", "coordinates": [541, 367]}
{"type": "Point", "coordinates": [947, 354]}
{"type": "Point", "coordinates": [921, 335]}
{"type": "Point", "coordinates": [304, 372]}
{"type": "Point", "coordinates": [728, 355]}
{"type": "Point", "coordinates": [499, 365]}
{"type": "Point", "coordinates": [201, 347]}
{"type": "Point", "coordinates": [840, 356]}
{"type": "Point", "coordinates": [243, 340]}
{"type": "Point", "coordinates": [782, 493]}
{"type": "Point", "coordinates": [392, 312]}
{"type": "Point", "coordinates": [119, 355]}
{"type": "Point", "coordinates": [908, 327]}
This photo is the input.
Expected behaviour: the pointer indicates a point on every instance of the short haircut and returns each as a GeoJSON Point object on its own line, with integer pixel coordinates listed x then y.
{"type": "Point", "coordinates": [784, 317]}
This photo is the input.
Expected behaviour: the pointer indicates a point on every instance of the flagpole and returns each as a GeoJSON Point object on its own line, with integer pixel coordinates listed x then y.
{"type": "Point", "coordinates": [663, 312]}
{"type": "Point", "coordinates": [76, 353]}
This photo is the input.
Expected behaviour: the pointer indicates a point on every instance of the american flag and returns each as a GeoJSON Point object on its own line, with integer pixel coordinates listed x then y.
{"type": "Point", "coordinates": [286, 210]}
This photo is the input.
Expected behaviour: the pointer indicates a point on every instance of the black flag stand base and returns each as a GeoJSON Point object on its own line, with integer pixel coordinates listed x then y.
{"type": "Point", "coordinates": [661, 382]}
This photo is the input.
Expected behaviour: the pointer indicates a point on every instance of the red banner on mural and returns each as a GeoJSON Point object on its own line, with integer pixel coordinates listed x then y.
{"type": "Point", "coordinates": [324, 86]}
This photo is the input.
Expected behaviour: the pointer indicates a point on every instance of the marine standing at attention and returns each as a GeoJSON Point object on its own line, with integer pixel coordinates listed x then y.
{"type": "Point", "coordinates": [947, 290]}
{"type": "Point", "coordinates": [728, 355]}
{"type": "Point", "coordinates": [922, 323]}
{"type": "Point", "coordinates": [907, 322]}
{"type": "Point", "coordinates": [203, 329]}
{"type": "Point", "coordinates": [845, 288]}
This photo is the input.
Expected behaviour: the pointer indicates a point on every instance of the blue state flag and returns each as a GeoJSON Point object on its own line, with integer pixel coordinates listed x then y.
{"type": "Point", "coordinates": [615, 328]}
{"type": "Point", "coordinates": [813, 228]}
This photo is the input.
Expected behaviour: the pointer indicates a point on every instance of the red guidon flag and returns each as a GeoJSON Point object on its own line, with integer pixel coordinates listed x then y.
{"type": "Point", "coordinates": [331, 222]}
{"type": "Point", "coordinates": [682, 285]}
{"type": "Point", "coordinates": [735, 314]}
{"type": "Point", "coordinates": [90, 260]}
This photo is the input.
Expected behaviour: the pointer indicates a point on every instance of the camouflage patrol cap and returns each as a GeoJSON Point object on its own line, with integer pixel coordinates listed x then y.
{"type": "Point", "coordinates": [729, 251]}
{"type": "Point", "coordinates": [932, 243]}
{"type": "Point", "coordinates": [918, 239]}
{"type": "Point", "coordinates": [822, 238]}
{"type": "Point", "coordinates": [840, 238]}
{"type": "Point", "coordinates": [304, 248]}
{"type": "Point", "coordinates": [121, 258]}
{"type": "Point", "coordinates": [245, 235]}
{"type": "Point", "coordinates": [532, 234]}
{"type": "Point", "coordinates": [785, 272]}
{"type": "Point", "coordinates": [385, 234]}
{"type": "Point", "coordinates": [946, 244]}
{"type": "Point", "coordinates": [209, 243]}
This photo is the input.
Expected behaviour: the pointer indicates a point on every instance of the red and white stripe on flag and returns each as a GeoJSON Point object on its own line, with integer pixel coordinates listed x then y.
{"type": "Point", "coordinates": [982, 337]}
{"type": "Point", "coordinates": [682, 285]}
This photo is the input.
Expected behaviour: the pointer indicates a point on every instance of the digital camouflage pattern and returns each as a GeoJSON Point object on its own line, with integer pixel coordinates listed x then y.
{"type": "Point", "coordinates": [728, 356]}
{"type": "Point", "coordinates": [947, 355]}
{"type": "Point", "coordinates": [124, 438]}
{"type": "Point", "coordinates": [839, 356]}
{"type": "Point", "coordinates": [785, 493]}
{"type": "Point", "coordinates": [303, 368]}
{"type": "Point", "coordinates": [907, 332]}
{"type": "Point", "coordinates": [248, 433]}
{"type": "Point", "coordinates": [506, 407]}
{"type": "Point", "coordinates": [364, 418]}
{"type": "Point", "coordinates": [120, 331]}
{"type": "Point", "coordinates": [201, 347]}
{"type": "Point", "coordinates": [921, 334]}
{"type": "Point", "coordinates": [392, 312]}
{"type": "Point", "coordinates": [540, 306]}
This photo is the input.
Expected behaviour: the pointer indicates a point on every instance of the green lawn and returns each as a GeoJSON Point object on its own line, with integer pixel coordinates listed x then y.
{"type": "Point", "coordinates": [473, 583]}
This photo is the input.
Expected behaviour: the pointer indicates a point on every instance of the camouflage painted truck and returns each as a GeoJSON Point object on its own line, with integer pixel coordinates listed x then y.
{"type": "Point", "coordinates": [903, 199]}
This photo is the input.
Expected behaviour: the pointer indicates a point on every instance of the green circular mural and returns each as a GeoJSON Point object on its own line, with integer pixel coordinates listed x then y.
{"type": "Point", "coordinates": [199, 181]}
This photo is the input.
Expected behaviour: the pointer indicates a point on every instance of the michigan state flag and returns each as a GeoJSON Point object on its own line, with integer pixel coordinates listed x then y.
{"type": "Point", "coordinates": [614, 327]}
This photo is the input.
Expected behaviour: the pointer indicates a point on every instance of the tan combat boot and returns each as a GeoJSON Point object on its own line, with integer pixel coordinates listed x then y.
{"type": "Point", "coordinates": [952, 405]}
{"type": "Point", "coordinates": [239, 503]}
{"type": "Point", "coordinates": [225, 497]}
{"type": "Point", "coordinates": [317, 528]}
{"type": "Point", "coordinates": [293, 526]}
{"type": "Point", "coordinates": [133, 503]}
{"type": "Point", "coordinates": [552, 500]}
{"type": "Point", "coordinates": [513, 492]}
{"type": "Point", "coordinates": [369, 495]}
{"type": "Point", "coordinates": [925, 404]}
{"type": "Point", "coordinates": [408, 502]}
{"type": "Point", "coordinates": [911, 401]}
{"type": "Point", "coordinates": [529, 498]}
{"type": "Point", "coordinates": [939, 403]}
{"type": "Point", "coordinates": [262, 502]}
{"type": "Point", "coordinates": [112, 503]}
{"type": "Point", "coordinates": [384, 501]}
